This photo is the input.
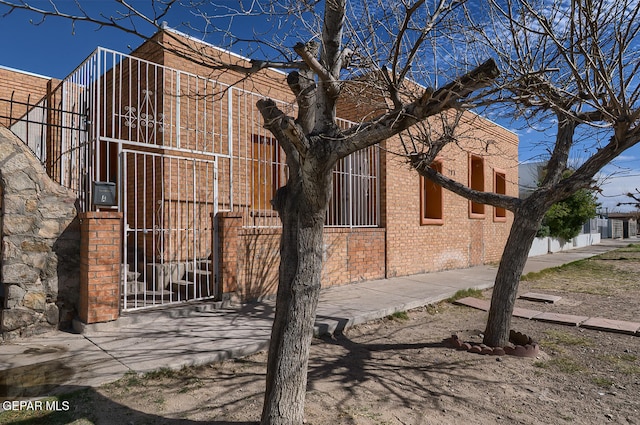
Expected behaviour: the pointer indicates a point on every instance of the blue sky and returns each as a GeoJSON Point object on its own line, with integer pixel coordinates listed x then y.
{"type": "Point", "coordinates": [55, 47]}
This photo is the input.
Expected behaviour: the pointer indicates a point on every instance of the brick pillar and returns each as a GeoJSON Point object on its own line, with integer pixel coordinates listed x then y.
{"type": "Point", "coordinates": [100, 262]}
{"type": "Point", "coordinates": [229, 224]}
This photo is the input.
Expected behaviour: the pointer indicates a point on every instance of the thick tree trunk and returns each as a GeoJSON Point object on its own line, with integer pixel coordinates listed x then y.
{"type": "Point", "coordinates": [526, 223]}
{"type": "Point", "coordinates": [298, 292]}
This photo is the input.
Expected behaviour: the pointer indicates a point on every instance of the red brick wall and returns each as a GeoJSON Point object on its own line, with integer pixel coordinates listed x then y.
{"type": "Point", "coordinates": [100, 260]}
{"type": "Point", "coordinates": [22, 87]}
{"type": "Point", "coordinates": [353, 255]}
{"type": "Point", "coordinates": [258, 262]}
{"type": "Point", "coordinates": [460, 241]}
{"type": "Point", "coordinates": [211, 117]}
{"type": "Point", "coordinates": [266, 82]}
{"type": "Point", "coordinates": [33, 89]}
{"type": "Point", "coordinates": [229, 226]}
{"type": "Point", "coordinates": [249, 258]}
{"type": "Point", "coordinates": [359, 254]}
{"type": "Point", "coordinates": [350, 255]}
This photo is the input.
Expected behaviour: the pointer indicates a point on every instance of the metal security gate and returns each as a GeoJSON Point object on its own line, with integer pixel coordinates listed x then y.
{"type": "Point", "coordinates": [161, 135]}
{"type": "Point", "coordinates": [169, 204]}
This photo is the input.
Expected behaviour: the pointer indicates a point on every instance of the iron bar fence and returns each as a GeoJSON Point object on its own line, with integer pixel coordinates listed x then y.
{"type": "Point", "coordinates": [41, 123]}
{"type": "Point", "coordinates": [114, 101]}
{"type": "Point", "coordinates": [179, 147]}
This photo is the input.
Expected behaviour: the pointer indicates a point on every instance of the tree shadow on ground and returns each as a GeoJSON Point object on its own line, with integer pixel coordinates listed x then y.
{"type": "Point", "coordinates": [83, 405]}
{"type": "Point", "coordinates": [409, 374]}
{"type": "Point", "coordinates": [400, 373]}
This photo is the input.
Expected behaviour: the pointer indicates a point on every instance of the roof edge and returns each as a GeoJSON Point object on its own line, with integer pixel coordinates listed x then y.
{"type": "Point", "coordinates": [166, 27]}
{"type": "Point", "coordinates": [32, 74]}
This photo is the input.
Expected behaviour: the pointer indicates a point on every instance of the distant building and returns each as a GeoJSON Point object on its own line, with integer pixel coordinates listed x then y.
{"type": "Point", "coordinates": [622, 225]}
{"type": "Point", "coordinates": [529, 175]}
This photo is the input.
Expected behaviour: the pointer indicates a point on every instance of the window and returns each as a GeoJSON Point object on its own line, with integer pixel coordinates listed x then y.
{"type": "Point", "coordinates": [268, 171]}
{"type": "Point", "coordinates": [431, 205]}
{"type": "Point", "coordinates": [354, 201]}
{"type": "Point", "coordinates": [476, 182]}
{"type": "Point", "coordinates": [499, 187]}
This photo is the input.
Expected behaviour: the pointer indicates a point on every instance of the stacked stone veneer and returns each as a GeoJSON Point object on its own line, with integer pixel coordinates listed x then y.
{"type": "Point", "coordinates": [40, 245]}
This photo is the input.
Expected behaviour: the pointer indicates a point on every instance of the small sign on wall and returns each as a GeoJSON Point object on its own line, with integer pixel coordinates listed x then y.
{"type": "Point", "coordinates": [104, 194]}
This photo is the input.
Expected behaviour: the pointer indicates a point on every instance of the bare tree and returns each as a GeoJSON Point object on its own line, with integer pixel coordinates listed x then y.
{"type": "Point", "coordinates": [382, 44]}
{"type": "Point", "coordinates": [569, 65]}
{"type": "Point", "coordinates": [635, 199]}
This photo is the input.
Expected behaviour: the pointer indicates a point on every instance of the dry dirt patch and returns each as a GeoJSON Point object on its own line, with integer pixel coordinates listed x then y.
{"type": "Point", "coordinates": [397, 371]}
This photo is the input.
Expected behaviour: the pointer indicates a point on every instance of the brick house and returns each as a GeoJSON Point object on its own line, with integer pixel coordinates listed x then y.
{"type": "Point", "coordinates": [193, 171]}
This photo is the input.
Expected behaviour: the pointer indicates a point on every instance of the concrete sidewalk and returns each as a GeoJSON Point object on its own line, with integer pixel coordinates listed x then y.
{"type": "Point", "coordinates": [199, 334]}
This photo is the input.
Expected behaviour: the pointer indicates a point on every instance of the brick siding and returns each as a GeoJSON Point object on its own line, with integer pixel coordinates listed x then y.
{"type": "Point", "coordinates": [100, 262]}
{"type": "Point", "coordinates": [402, 246]}
{"type": "Point", "coordinates": [460, 241]}
{"type": "Point", "coordinates": [20, 87]}
{"type": "Point", "coordinates": [249, 258]}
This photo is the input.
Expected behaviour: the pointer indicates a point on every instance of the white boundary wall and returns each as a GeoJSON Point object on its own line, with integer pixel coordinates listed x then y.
{"type": "Point", "coordinates": [542, 246]}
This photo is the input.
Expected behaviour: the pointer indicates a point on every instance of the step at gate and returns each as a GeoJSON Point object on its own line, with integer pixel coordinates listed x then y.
{"type": "Point", "coordinates": [169, 206]}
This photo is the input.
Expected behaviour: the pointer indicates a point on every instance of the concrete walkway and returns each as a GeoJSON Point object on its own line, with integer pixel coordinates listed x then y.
{"type": "Point", "coordinates": [598, 323]}
{"type": "Point", "coordinates": [199, 334]}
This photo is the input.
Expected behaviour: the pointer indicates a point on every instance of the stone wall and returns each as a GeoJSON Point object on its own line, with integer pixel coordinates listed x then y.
{"type": "Point", "coordinates": [40, 245]}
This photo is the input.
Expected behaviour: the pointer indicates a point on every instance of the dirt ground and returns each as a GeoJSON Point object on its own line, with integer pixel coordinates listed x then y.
{"type": "Point", "coordinates": [397, 371]}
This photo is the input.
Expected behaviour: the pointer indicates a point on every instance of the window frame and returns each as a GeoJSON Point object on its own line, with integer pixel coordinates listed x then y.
{"type": "Point", "coordinates": [426, 218]}
{"type": "Point", "coordinates": [277, 171]}
{"type": "Point", "coordinates": [476, 210]}
{"type": "Point", "coordinates": [499, 214]}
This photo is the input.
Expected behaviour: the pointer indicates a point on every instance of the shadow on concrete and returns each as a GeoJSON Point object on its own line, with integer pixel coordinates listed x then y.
{"type": "Point", "coordinates": [409, 373]}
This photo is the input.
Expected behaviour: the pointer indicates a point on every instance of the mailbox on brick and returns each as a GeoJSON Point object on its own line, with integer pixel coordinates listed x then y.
{"type": "Point", "coordinates": [104, 194]}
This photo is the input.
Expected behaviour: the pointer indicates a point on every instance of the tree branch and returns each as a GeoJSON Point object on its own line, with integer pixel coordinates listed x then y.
{"type": "Point", "coordinates": [182, 49]}
{"type": "Point", "coordinates": [423, 166]}
{"type": "Point", "coordinates": [303, 87]}
{"type": "Point", "coordinates": [398, 120]}
{"type": "Point", "coordinates": [307, 54]}
{"type": "Point", "coordinates": [290, 135]}
{"type": "Point", "coordinates": [583, 176]}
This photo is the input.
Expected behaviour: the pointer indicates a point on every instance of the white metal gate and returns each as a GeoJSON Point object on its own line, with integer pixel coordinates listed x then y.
{"type": "Point", "coordinates": [169, 206]}
{"type": "Point", "coordinates": [161, 134]}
